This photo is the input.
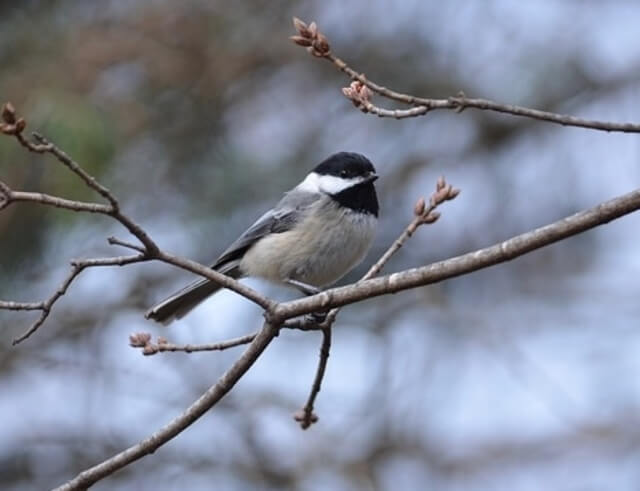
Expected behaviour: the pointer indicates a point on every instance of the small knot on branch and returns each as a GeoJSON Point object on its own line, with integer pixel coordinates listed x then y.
{"type": "Point", "coordinates": [311, 38]}
{"type": "Point", "coordinates": [459, 102]}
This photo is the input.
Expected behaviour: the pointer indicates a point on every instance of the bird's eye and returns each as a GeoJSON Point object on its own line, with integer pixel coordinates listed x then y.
{"type": "Point", "coordinates": [343, 173]}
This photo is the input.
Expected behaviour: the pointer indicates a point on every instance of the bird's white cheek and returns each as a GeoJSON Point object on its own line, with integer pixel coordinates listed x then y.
{"type": "Point", "coordinates": [315, 183]}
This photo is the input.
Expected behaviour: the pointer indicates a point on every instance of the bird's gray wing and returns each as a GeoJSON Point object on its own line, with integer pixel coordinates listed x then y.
{"type": "Point", "coordinates": [289, 210]}
{"type": "Point", "coordinates": [281, 218]}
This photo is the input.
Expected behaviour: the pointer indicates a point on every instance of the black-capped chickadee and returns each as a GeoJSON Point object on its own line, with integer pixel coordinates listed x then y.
{"type": "Point", "coordinates": [315, 235]}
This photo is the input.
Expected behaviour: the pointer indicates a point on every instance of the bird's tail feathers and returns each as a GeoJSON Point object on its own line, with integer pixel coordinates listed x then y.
{"type": "Point", "coordinates": [184, 301]}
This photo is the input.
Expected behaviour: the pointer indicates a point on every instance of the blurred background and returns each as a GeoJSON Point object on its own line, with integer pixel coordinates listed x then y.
{"type": "Point", "coordinates": [198, 114]}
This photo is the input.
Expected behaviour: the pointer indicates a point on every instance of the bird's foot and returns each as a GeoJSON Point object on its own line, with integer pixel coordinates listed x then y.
{"type": "Point", "coordinates": [304, 287]}
{"type": "Point", "coordinates": [316, 317]}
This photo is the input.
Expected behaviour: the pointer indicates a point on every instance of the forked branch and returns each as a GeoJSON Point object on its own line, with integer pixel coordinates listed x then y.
{"type": "Point", "coordinates": [360, 92]}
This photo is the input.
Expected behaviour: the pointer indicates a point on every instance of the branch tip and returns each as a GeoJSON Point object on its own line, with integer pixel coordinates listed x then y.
{"type": "Point", "coordinates": [300, 41]}
{"type": "Point", "coordinates": [301, 27]}
{"type": "Point", "coordinates": [306, 419]}
{"type": "Point", "coordinates": [310, 37]}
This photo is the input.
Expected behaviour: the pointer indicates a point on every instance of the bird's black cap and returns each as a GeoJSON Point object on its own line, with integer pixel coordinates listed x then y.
{"type": "Point", "coordinates": [345, 164]}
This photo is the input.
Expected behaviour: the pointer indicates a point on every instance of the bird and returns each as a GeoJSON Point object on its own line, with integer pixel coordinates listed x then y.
{"type": "Point", "coordinates": [318, 232]}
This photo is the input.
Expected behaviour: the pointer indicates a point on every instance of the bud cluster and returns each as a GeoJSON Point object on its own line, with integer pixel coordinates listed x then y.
{"type": "Point", "coordinates": [444, 192]}
{"type": "Point", "coordinates": [308, 36]}
{"type": "Point", "coordinates": [10, 124]}
{"type": "Point", "coordinates": [143, 340]}
{"type": "Point", "coordinates": [359, 94]}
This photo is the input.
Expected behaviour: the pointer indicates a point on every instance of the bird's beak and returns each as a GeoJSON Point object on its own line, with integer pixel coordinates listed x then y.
{"type": "Point", "coordinates": [371, 177]}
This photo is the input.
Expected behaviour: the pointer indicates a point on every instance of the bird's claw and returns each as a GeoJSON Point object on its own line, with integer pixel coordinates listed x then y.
{"type": "Point", "coordinates": [316, 317]}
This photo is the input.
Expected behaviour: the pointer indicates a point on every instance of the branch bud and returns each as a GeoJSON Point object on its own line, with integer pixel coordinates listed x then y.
{"type": "Point", "coordinates": [358, 93]}
{"type": "Point", "coordinates": [21, 124]}
{"type": "Point", "coordinates": [431, 217]}
{"type": "Point", "coordinates": [313, 30]}
{"type": "Point", "coordinates": [149, 349]}
{"type": "Point", "coordinates": [419, 207]}
{"type": "Point", "coordinates": [9, 113]}
{"type": "Point", "coordinates": [139, 339]}
{"type": "Point", "coordinates": [439, 196]}
{"type": "Point", "coordinates": [301, 27]}
{"type": "Point", "coordinates": [453, 192]}
{"type": "Point", "coordinates": [322, 44]}
{"type": "Point", "coordinates": [301, 41]}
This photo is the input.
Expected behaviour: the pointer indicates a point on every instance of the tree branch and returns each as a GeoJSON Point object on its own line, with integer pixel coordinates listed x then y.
{"type": "Point", "coordinates": [15, 127]}
{"type": "Point", "coordinates": [150, 444]}
{"type": "Point", "coordinates": [318, 45]}
{"type": "Point", "coordinates": [10, 196]}
{"type": "Point", "coordinates": [466, 263]}
{"type": "Point", "coordinates": [77, 266]}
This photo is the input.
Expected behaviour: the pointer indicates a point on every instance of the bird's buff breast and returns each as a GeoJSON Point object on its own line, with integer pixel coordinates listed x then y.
{"type": "Point", "coordinates": [315, 252]}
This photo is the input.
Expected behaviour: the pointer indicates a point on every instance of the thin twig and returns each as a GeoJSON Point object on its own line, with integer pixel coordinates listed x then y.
{"type": "Point", "coordinates": [15, 126]}
{"type": "Point", "coordinates": [124, 243]}
{"type": "Point", "coordinates": [306, 416]}
{"type": "Point", "coordinates": [77, 267]}
{"type": "Point", "coordinates": [413, 112]}
{"type": "Point", "coordinates": [318, 45]}
{"type": "Point", "coordinates": [45, 146]}
{"type": "Point", "coordinates": [55, 201]}
{"type": "Point", "coordinates": [11, 305]}
{"type": "Point", "coordinates": [143, 340]}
